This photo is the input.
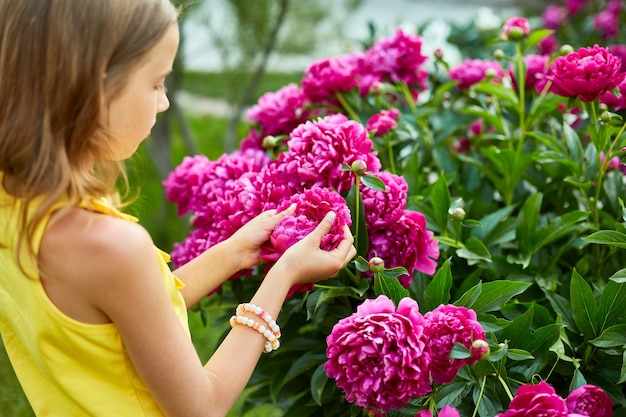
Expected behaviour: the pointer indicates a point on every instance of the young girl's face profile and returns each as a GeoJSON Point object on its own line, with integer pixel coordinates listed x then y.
{"type": "Point", "coordinates": [130, 116]}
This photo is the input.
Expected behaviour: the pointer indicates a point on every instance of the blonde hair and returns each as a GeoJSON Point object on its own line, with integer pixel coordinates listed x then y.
{"type": "Point", "coordinates": [61, 63]}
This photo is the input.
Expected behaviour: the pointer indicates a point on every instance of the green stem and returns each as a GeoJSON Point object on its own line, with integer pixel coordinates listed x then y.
{"type": "Point", "coordinates": [392, 163]}
{"type": "Point", "coordinates": [347, 107]}
{"type": "Point", "coordinates": [521, 85]}
{"type": "Point", "coordinates": [406, 92]}
{"type": "Point", "coordinates": [506, 387]}
{"type": "Point", "coordinates": [480, 396]}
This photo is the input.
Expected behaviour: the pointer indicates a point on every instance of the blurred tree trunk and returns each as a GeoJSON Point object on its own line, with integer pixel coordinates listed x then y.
{"type": "Point", "coordinates": [253, 85]}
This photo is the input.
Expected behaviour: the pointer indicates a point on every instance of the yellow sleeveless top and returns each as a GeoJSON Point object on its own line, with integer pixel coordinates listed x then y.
{"type": "Point", "coordinates": [68, 368]}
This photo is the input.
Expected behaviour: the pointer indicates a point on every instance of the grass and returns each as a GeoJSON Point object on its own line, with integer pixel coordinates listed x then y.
{"type": "Point", "coordinates": [159, 217]}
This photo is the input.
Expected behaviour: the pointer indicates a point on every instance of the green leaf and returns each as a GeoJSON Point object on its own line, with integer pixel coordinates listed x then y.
{"type": "Point", "coordinates": [526, 225]}
{"type": "Point", "coordinates": [614, 336]}
{"type": "Point", "coordinates": [438, 290]}
{"type": "Point", "coordinates": [395, 272]}
{"type": "Point", "coordinates": [318, 382]}
{"type": "Point", "coordinates": [390, 287]}
{"type": "Point", "coordinates": [474, 250]}
{"type": "Point", "coordinates": [535, 37]}
{"type": "Point", "coordinates": [619, 276]}
{"type": "Point", "coordinates": [608, 237]}
{"type": "Point", "coordinates": [453, 393]}
{"type": "Point", "coordinates": [507, 95]}
{"type": "Point", "coordinates": [492, 296]}
{"type": "Point", "coordinates": [361, 264]}
{"type": "Point", "coordinates": [303, 364]}
{"type": "Point", "coordinates": [558, 227]}
{"type": "Point", "coordinates": [519, 355]}
{"type": "Point", "coordinates": [373, 182]}
{"type": "Point", "coordinates": [584, 307]}
{"type": "Point", "coordinates": [459, 351]}
{"type": "Point", "coordinates": [542, 339]}
{"type": "Point", "coordinates": [519, 328]}
{"type": "Point", "coordinates": [612, 305]}
{"type": "Point", "coordinates": [622, 374]}
{"type": "Point", "coordinates": [440, 198]}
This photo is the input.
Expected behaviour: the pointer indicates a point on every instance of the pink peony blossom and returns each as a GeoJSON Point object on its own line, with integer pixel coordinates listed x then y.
{"type": "Point", "coordinates": [209, 195]}
{"type": "Point", "coordinates": [381, 123]}
{"type": "Point", "coordinates": [383, 208]}
{"type": "Point", "coordinates": [536, 400]}
{"type": "Point", "coordinates": [588, 73]}
{"type": "Point", "coordinates": [181, 184]}
{"type": "Point", "coordinates": [574, 6]}
{"type": "Point", "coordinates": [319, 149]}
{"type": "Point", "coordinates": [405, 243]}
{"type": "Point", "coordinates": [516, 28]}
{"type": "Point", "coordinates": [553, 17]}
{"type": "Point", "coordinates": [278, 113]}
{"type": "Point", "coordinates": [446, 411]}
{"type": "Point", "coordinates": [607, 21]}
{"type": "Point", "coordinates": [613, 101]}
{"type": "Point", "coordinates": [445, 326]}
{"type": "Point", "coordinates": [324, 78]}
{"type": "Point", "coordinates": [620, 52]}
{"type": "Point", "coordinates": [378, 355]}
{"type": "Point", "coordinates": [548, 45]}
{"type": "Point", "coordinates": [536, 68]}
{"type": "Point", "coordinates": [395, 59]}
{"type": "Point", "coordinates": [311, 207]}
{"type": "Point", "coordinates": [589, 400]}
{"type": "Point", "coordinates": [472, 71]}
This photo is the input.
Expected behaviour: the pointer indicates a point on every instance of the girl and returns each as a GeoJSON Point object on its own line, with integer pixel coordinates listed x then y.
{"type": "Point", "coordinates": [92, 318]}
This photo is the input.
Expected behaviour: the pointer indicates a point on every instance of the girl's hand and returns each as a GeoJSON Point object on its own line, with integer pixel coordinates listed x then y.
{"type": "Point", "coordinates": [246, 242]}
{"type": "Point", "coordinates": [307, 262]}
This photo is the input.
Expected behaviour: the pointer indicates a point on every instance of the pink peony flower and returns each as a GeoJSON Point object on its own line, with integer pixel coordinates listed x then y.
{"type": "Point", "coordinates": [210, 195]}
{"type": "Point", "coordinates": [553, 17]}
{"type": "Point", "coordinates": [516, 28]}
{"type": "Point", "coordinates": [536, 400]}
{"type": "Point", "coordinates": [395, 59]}
{"type": "Point", "coordinates": [615, 102]}
{"type": "Point", "coordinates": [378, 355]}
{"type": "Point", "coordinates": [381, 123]}
{"type": "Point", "coordinates": [323, 79]}
{"type": "Point", "coordinates": [181, 184]}
{"type": "Point", "coordinates": [405, 243]}
{"type": "Point", "coordinates": [536, 68]}
{"type": "Point", "coordinates": [589, 400]}
{"type": "Point", "coordinates": [548, 45]}
{"type": "Point", "coordinates": [311, 207]}
{"type": "Point", "coordinates": [607, 21]}
{"type": "Point", "coordinates": [588, 73]}
{"type": "Point", "coordinates": [446, 411]}
{"type": "Point", "coordinates": [574, 6]}
{"type": "Point", "coordinates": [472, 71]}
{"type": "Point", "coordinates": [280, 112]}
{"type": "Point", "coordinates": [445, 326]}
{"type": "Point", "coordinates": [385, 207]}
{"type": "Point", "coordinates": [620, 52]}
{"type": "Point", "coordinates": [319, 149]}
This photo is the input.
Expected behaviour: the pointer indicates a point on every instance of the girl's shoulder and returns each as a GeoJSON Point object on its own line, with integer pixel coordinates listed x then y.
{"type": "Point", "coordinates": [84, 255]}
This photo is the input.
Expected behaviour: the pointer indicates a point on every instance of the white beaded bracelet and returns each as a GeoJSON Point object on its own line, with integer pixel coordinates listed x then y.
{"type": "Point", "coordinates": [271, 342]}
{"type": "Point", "coordinates": [251, 308]}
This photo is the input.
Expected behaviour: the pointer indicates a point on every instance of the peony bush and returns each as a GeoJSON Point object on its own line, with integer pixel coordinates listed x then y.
{"type": "Point", "coordinates": [486, 198]}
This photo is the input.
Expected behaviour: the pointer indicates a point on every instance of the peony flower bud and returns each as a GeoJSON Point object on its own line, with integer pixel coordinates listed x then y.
{"type": "Point", "coordinates": [359, 167]}
{"type": "Point", "coordinates": [458, 214]}
{"type": "Point", "coordinates": [480, 349]}
{"type": "Point", "coordinates": [270, 142]}
{"type": "Point", "coordinates": [376, 264]}
{"type": "Point", "coordinates": [498, 54]}
{"type": "Point", "coordinates": [516, 29]}
{"type": "Point", "coordinates": [566, 49]}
